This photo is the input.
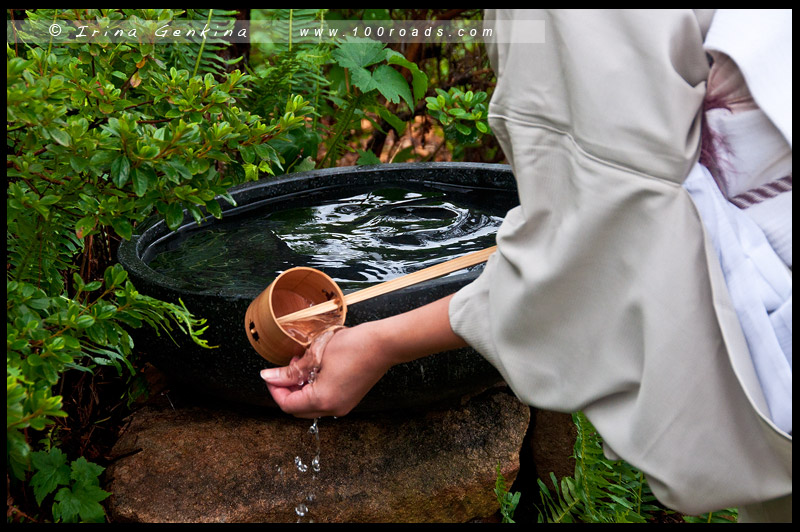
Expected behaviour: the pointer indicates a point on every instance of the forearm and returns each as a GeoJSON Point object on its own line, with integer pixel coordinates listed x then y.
{"type": "Point", "coordinates": [355, 358]}
{"type": "Point", "coordinates": [414, 334]}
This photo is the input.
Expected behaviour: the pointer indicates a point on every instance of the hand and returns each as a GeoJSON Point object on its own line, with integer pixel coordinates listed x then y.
{"type": "Point", "coordinates": [346, 364]}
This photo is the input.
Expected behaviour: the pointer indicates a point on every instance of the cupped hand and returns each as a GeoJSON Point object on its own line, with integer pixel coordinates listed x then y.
{"type": "Point", "coordinates": [331, 377]}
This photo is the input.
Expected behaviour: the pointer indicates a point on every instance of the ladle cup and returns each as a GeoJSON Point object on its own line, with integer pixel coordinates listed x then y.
{"type": "Point", "coordinates": [280, 322]}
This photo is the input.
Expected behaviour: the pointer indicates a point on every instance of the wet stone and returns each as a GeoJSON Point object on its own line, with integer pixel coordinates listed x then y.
{"type": "Point", "coordinates": [195, 464]}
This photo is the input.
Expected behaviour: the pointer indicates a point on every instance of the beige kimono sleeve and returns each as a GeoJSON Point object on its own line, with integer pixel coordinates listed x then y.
{"type": "Point", "coordinates": [605, 294]}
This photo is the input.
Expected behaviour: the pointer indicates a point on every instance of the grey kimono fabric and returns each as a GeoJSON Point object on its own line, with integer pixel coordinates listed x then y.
{"type": "Point", "coordinates": [605, 295]}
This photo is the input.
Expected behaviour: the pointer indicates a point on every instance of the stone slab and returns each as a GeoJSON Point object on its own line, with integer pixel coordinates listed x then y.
{"type": "Point", "coordinates": [195, 464]}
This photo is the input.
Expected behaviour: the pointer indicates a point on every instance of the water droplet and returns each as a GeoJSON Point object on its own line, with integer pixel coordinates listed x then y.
{"type": "Point", "coordinates": [311, 497]}
{"type": "Point", "coordinates": [300, 465]}
{"type": "Point", "coordinates": [314, 429]}
{"type": "Point", "coordinates": [301, 509]}
{"type": "Point", "coordinates": [315, 464]}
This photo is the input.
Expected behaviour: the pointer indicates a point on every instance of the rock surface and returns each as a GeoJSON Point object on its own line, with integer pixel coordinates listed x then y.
{"type": "Point", "coordinates": [195, 464]}
{"type": "Point", "coordinates": [552, 444]}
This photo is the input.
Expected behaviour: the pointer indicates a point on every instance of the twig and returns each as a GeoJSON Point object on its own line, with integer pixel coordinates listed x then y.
{"type": "Point", "coordinates": [157, 121]}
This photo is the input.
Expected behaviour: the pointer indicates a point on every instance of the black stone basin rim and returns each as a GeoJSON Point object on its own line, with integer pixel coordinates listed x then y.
{"type": "Point", "coordinates": [255, 194]}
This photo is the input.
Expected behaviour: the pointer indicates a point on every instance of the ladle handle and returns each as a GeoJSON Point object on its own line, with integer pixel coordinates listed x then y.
{"type": "Point", "coordinates": [432, 272]}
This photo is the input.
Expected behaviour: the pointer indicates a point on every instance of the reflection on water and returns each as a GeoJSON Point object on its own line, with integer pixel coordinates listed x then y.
{"type": "Point", "coordinates": [358, 240]}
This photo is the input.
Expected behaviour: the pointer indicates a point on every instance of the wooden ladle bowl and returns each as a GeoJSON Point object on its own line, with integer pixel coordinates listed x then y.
{"type": "Point", "coordinates": [293, 290]}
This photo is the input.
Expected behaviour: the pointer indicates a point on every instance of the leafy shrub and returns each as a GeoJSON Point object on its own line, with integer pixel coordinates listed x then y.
{"type": "Point", "coordinates": [463, 116]}
{"type": "Point", "coordinates": [99, 136]}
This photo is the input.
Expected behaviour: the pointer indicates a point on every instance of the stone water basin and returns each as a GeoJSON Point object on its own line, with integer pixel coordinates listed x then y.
{"type": "Point", "coordinates": [359, 225]}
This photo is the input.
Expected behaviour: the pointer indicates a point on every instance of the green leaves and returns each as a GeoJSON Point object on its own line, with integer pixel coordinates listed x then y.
{"type": "Point", "coordinates": [508, 501]}
{"type": "Point", "coordinates": [142, 177]}
{"type": "Point", "coordinates": [562, 507]}
{"type": "Point", "coordinates": [392, 85]}
{"type": "Point", "coordinates": [101, 135]}
{"type": "Point", "coordinates": [79, 499]}
{"type": "Point", "coordinates": [369, 63]}
{"type": "Point", "coordinates": [85, 225]}
{"type": "Point", "coordinates": [419, 80]}
{"type": "Point", "coordinates": [80, 503]}
{"type": "Point", "coordinates": [356, 54]}
{"type": "Point", "coordinates": [60, 136]}
{"type": "Point", "coordinates": [463, 115]}
{"type": "Point", "coordinates": [174, 216]}
{"type": "Point", "coordinates": [367, 157]}
{"type": "Point", "coordinates": [727, 515]}
{"type": "Point", "coordinates": [120, 170]}
{"type": "Point", "coordinates": [47, 335]}
{"type": "Point", "coordinates": [602, 490]}
{"type": "Point", "coordinates": [51, 471]}
{"type": "Point", "coordinates": [125, 155]}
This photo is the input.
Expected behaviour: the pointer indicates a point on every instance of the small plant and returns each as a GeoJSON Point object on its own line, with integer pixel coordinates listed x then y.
{"type": "Point", "coordinates": [80, 496]}
{"type": "Point", "coordinates": [728, 515]}
{"type": "Point", "coordinates": [200, 54]}
{"type": "Point", "coordinates": [363, 71]}
{"type": "Point", "coordinates": [285, 68]}
{"type": "Point", "coordinates": [463, 116]}
{"type": "Point", "coordinates": [602, 490]}
{"type": "Point", "coordinates": [605, 491]}
{"type": "Point", "coordinates": [508, 501]}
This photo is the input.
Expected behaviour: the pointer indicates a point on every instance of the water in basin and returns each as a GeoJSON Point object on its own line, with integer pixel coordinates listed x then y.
{"type": "Point", "coordinates": [359, 238]}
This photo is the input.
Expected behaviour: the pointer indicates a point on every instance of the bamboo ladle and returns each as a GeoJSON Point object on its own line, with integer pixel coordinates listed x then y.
{"type": "Point", "coordinates": [303, 294]}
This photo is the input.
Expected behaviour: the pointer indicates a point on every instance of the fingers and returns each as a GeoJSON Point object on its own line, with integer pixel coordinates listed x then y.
{"type": "Point", "coordinates": [285, 376]}
{"type": "Point", "coordinates": [289, 388]}
{"type": "Point", "coordinates": [298, 401]}
{"type": "Point", "coordinates": [309, 388]}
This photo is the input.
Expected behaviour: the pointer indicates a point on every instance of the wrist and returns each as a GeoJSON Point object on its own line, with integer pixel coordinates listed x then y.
{"type": "Point", "coordinates": [378, 339]}
{"type": "Point", "coordinates": [414, 334]}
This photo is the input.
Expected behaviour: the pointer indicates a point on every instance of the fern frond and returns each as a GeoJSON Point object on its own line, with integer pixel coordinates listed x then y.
{"type": "Point", "coordinates": [564, 506]}
{"type": "Point", "coordinates": [350, 110]}
{"type": "Point", "coordinates": [602, 490]}
{"type": "Point", "coordinates": [200, 56]}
